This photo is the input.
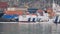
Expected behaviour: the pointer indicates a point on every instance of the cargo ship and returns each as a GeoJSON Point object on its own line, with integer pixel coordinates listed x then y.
{"type": "Point", "coordinates": [25, 15]}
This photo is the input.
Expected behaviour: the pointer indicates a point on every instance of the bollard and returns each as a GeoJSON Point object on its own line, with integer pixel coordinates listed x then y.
{"type": "Point", "coordinates": [56, 20]}
{"type": "Point", "coordinates": [29, 19]}
{"type": "Point", "coordinates": [33, 20]}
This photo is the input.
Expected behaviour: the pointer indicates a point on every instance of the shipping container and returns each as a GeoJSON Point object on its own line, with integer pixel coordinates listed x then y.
{"type": "Point", "coordinates": [3, 4]}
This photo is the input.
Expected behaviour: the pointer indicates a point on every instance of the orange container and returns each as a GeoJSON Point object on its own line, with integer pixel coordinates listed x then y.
{"type": "Point", "coordinates": [40, 11]}
{"type": "Point", "coordinates": [50, 12]}
{"type": "Point", "coordinates": [20, 12]}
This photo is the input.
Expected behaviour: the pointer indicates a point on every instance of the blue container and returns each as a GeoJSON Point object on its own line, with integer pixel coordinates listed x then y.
{"type": "Point", "coordinates": [9, 16]}
{"type": "Point", "coordinates": [32, 10]}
